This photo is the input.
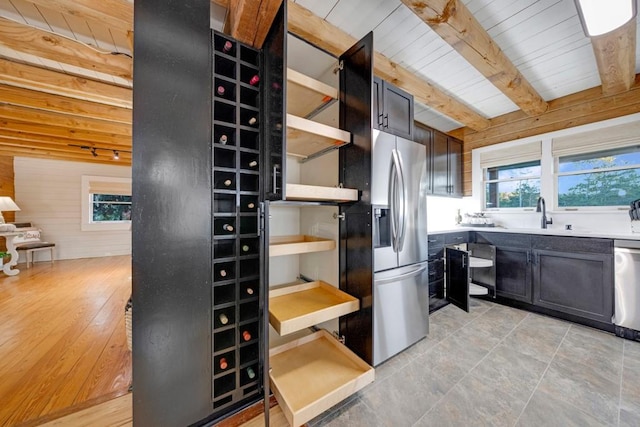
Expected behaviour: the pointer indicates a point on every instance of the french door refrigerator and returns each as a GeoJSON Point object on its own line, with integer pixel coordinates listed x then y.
{"type": "Point", "coordinates": [400, 288]}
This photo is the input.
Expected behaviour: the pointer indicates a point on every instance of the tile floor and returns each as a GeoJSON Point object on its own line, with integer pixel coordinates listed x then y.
{"type": "Point", "coordinates": [499, 366]}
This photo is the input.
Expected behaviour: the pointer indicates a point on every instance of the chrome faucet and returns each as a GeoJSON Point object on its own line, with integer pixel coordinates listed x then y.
{"type": "Point", "coordinates": [542, 207]}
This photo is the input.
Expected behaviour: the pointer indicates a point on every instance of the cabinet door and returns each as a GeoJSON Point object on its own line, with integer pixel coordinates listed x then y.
{"type": "Point", "coordinates": [440, 164]}
{"type": "Point", "coordinates": [513, 274]}
{"type": "Point", "coordinates": [455, 167]}
{"type": "Point", "coordinates": [574, 283]}
{"type": "Point", "coordinates": [424, 135]}
{"type": "Point", "coordinates": [457, 265]}
{"type": "Point", "coordinates": [273, 126]}
{"type": "Point", "coordinates": [376, 118]}
{"type": "Point", "coordinates": [398, 111]}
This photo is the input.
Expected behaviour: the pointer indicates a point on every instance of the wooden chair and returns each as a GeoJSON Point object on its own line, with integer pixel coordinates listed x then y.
{"type": "Point", "coordinates": [29, 241]}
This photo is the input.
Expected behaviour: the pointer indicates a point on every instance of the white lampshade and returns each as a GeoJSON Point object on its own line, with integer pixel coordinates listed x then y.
{"type": "Point", "coordinates": [600, 17]}
{"type": "Point", "coordinates": [7, 204]}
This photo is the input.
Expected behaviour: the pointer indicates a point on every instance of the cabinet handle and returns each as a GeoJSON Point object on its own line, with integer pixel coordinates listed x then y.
{"type": "Point", "coordinates": [528, 257]}
{"type": "Point", "coordinates": [386, 121]}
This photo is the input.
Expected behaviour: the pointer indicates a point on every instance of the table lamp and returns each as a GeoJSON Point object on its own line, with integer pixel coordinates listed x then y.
{"type": "Point", "coordinates": [7, 204]}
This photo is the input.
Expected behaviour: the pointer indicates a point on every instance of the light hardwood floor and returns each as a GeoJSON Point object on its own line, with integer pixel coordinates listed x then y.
{"type": "Point", "coordinates": [62, 338]}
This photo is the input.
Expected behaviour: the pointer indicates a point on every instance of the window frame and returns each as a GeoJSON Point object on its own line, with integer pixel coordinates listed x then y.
{"type": "Point", "coordinates": [486, 181]}
{"type": "Point", "coordinates": [87, 223]}
{"type": "Point", "coordinates": [557, 174]}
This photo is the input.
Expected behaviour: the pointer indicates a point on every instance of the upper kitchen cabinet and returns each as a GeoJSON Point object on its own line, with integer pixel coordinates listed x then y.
{"type": "Point", "coordinates": [392, 109]}
{"type": "Point", "coordinates": [444, 161]}
{"type": "Point", "coordinates": [447, 165]}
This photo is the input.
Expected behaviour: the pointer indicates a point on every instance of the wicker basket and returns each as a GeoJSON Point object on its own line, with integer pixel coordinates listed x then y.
{"type": "Point", "coordinates": [128, 309]}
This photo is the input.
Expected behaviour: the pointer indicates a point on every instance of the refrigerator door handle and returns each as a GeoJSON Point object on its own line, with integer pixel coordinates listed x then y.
{"type": "Point", "coordinates": [402, 199]}
{"type": "Point", "coordinates": [416, 271]}
{"type": "Point", "coordinates": [393, 211]}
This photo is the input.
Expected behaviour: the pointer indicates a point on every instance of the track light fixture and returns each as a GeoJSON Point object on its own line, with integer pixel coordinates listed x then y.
{"type": "Point", "coordinates": [94, 150]}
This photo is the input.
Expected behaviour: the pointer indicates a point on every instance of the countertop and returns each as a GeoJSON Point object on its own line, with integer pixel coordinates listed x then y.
{"type": "Point", "coordinates": [545, 232]}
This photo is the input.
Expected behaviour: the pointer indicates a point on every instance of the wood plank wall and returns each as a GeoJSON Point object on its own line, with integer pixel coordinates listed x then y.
{"type": "Point", "coordinates": [6, 189]}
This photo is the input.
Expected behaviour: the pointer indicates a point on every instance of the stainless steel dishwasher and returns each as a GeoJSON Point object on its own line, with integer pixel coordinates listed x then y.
{"type": "Point", "coordinates": [627, 288]}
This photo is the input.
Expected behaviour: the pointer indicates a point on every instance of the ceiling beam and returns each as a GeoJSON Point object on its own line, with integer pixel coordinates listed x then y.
{"type": "Point", "coordinates": [71, 122]}
{"type": "Point", "coordinates": [53, 82]}
{"type": "Point", "coordinates": [111, 13]}
{"type": "Point", "coordinates": [44, 44]}
{"type": "Point", "coordinates": [65, 148]}
{"type": "Point", "coordinates": [55, 155]}
{"type": "Point", "coordinates": [616, 58]}
{"type": "Point", "coordinates": [60, 104]}
{"type": "Point", "coordinates": [303, 23]}
{"type": "Point", "coordinates": [249, 20]}
{"type": "Point", "coordinates": [452, 21]}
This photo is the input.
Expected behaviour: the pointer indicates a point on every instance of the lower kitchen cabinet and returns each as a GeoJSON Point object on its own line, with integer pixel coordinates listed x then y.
{"type": "Point", "coordinates": [513, 274]}
{"type": "Point", "coordinates": [580, 284]}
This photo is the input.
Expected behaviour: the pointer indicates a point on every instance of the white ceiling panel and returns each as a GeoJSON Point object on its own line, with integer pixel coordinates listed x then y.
{"type": "Point", "coordinates": [361, 16]}
{"type": "Point", "coordinates": [319, 8]}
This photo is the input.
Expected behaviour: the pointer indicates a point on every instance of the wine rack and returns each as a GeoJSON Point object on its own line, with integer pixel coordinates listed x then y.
{"type": "Point", "coordinates": [236, 320]}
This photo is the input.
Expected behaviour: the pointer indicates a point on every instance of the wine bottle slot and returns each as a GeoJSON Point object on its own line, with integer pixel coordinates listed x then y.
{"type": "Point", "coordinates": [250, 291]}
{"type": "Point", "coordinates": [252, 121]}
{"type": "Point", "coordinates": [223, 273]}
{"type": "Point", "coordinates": [220, 90]}
{"type": "Point", "coordinates": [223, 139]}
{"type": "Point", "coordinates": [223, 363]}
{"type": "Point", "coordinates": [223, 318]}
{"type": "Point", "coordinates": [245, 248]}
{"type": "Point", "coordinates": [250, 373]}
{"type": "Point", "coordinates": [227, 227]}
{"type": "Point", "coordinates": [254, 80]}
{"type": "Point", "coordinates": [246, 335]}
{"type": "Point", "coordinates": [251, 205]}
{"type": "Point", "coordinates": [253, 164]}
{"type": "Point", "coordinates": [224, 182]}
{"type": "Point", "coordinates": [227, 46]}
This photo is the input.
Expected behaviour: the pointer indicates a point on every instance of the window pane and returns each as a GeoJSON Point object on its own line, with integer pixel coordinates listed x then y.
{"type": "Point", "coordinates": [613, 188]}
{"type": "Point", "coordinates": [629, 156]}
{"type": "Point", "coordinates": [111, 212]}
{"type": "Point", "coordinates": [512, 194]}
{"type": "Point", "coordinates": [514, 171]}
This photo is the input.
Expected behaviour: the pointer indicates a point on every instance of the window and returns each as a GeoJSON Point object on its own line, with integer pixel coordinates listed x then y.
{"type": "Point", "coordinates": [512, 186]}
{"type": "Point", "coordinates": [106, 203]}
{"type": "Point", "coordinates": [604, 178]}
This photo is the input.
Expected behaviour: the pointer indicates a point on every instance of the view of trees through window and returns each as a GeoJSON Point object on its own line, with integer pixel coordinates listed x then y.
{"type": "Point", "coordinates": [610, 178]}
{"type": "Point", "coordinates": [110, 207]}
{"type": "Point", "coordinates": [512, 186]}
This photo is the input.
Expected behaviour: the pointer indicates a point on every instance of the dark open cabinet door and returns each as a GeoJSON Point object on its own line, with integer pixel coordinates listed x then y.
{"type": "Point", "coordinates": [457, 264]}
{"type": "Point", "coordinates": [274, 107]}
{"type": "Point", "coordinates": [356, 248]}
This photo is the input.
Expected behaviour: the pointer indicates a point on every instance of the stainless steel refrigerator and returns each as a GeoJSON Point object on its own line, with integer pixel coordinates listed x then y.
{"type": "Point", "coordinates": [399, 202]}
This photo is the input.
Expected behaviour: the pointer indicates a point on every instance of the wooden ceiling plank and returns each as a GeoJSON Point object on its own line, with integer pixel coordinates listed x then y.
{"type": "Point", "coordinates": [59, 104]}
{"type": "Point", "coordinates": [46, 139]}
{"type": "Point", "coordinates": [304, 24]}
{"type": "Point", "coordinates": [27, 39]}
{"type": "Point", "coordinates": [60, 147]}
{"type": "Point", "coordinates": [53, 82]}
{"type": "Point", "coordinates": [577, 109]}
{"type": "Point", "coordinates": [461, 30]}
{"type": "Point", "coordinates": [48, 154]}
{"type": "Point", "coordinates": [63, 132]}
{"type": "Point", "coordinates": [616, 58]}
{"type": "Point", "coordinates": [111, 13]}
{"type": "Point", "coordinates": [76, 123]}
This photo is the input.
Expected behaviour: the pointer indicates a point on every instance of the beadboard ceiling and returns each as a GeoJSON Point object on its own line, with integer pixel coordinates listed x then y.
{"type": "Point", "coordinates": [543, 39]}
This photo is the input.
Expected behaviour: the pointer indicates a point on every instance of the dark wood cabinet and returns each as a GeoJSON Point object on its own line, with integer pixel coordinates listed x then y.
{"type": "Point", "coordinates": [513, 274]}
{"type": "Point", "coordinates": [577, 281]}
{"type": "Point", "coordinates": [447, 165]}
{"type": "Point", "coordinates": [392, 109]}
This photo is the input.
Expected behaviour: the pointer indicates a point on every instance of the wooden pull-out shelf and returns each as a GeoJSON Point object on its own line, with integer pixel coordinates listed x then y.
{"type": "Point", "coordinates": [300, 305]}
{"type": "Point", "coordinates": [475, 262]}
{"type": "Point", "coordinates": [306, 137]}
{"type": "Point", "coordinates": [290, 245]}
{"type": "Point", "coordinates": [312, 374]}
{"type": "Point", "coordinates": [320, 194]}
{"type": "Point", "coordinates": [306, 95]}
